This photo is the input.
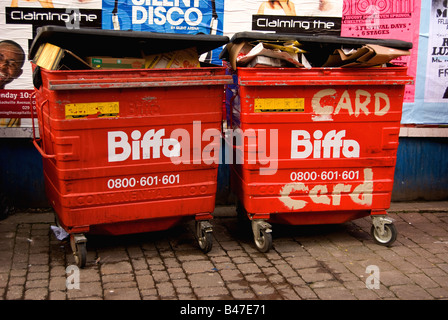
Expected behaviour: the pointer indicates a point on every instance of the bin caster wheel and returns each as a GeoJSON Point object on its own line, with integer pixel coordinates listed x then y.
{"type": "Point", "coordinates": [262, 235]}
{"type": "Point", "coordinates": [204, 235]}
{"type": "Point", "coordinates": [383, 231]}
{"type": "Point", "coordinates": [78, 242]}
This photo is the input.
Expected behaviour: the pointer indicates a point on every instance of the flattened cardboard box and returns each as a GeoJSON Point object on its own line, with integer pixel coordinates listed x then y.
{"type": "Point", "coordinates": [368, 56]}
{"type": "Point", "coordinates": [116, 63]}
{"type": "Point", "coordinates": [187, 58]}
{"type": "Point", "coordinates": [243, 53]}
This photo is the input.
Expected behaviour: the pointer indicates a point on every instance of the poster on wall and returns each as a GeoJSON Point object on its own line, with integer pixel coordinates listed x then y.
{"type": "Point", "coordinates": [436, 88]}
{"type": "Point", "coordinates": [166, 16]}
{"type": "Point", "coordinates": [431, 102]}
{"type": "Point", "coordinates": [19, 20]}
{"type": "Point", "coordinates": [283, 16]}
{"type": "Point", "coordinates": [15, 91]}
{"type": "Point", "coordinates": [180, 16]}
{"type": "Point", "coordinates": [386, 19]}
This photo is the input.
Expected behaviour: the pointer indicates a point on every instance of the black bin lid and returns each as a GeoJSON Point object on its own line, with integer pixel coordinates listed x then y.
{"type": "Point", "coordinates": [318, 39]}
{"type": "Point", "coordinates": [113, 43]}
{"type": "Point", "coordinates": [320, 45]}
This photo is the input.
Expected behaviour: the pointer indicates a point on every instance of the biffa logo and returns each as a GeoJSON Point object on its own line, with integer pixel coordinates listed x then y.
{"type": "Point", "coordinates": [119, 149]}
{"type": "Point", "coordinates": [330, 147]}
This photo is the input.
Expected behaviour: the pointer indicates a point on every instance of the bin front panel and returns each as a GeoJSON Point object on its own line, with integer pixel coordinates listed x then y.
{"type": "Point", "coordinates": [126, 151]}
{"type": "Point", "coordinates": [316, 140]}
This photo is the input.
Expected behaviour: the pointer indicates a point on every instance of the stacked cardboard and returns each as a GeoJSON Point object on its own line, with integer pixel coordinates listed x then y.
{"type": "Point", "coordinates": [265, 54]}
{"type": "Point", "coordinates": [52, 57]}
{"type": "Point", "coordinates": [369, 55]}
{"type": "Point", "coordinates": [115, 63]}
{"type": "Point", "coordinates": [187, 58]}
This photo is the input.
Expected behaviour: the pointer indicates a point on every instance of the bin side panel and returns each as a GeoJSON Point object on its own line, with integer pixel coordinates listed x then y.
{"type": "Point", "coordinates": [130, 154]}
{"type": "Point", "coordinates": [336, 142]}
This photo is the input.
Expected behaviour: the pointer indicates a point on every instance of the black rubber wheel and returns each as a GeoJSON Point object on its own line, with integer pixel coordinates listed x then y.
{"type": "Point", "coordinates": [264, 242]}
{"type": "Point", "coordinates": [79, 252]}
{"type": "Point", "coordinates": [206, 241]}
{"type": "Point", "coordinates": [388, 238]}
{"type": "Point", "coordinates": [204, 237]}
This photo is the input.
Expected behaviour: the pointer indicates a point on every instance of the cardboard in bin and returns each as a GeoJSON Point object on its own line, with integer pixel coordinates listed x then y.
{"type": "Point", "coordinates": [121, 43]}
{"type": "Point", "coordinates": [243, 53]}
{"type": "Point", "coordinates": [52, 57]}
{"type": "Point", "coordinates": [115, 63]}
{"type": "Point", "coordinates": [187, 58]}
{"type": "Point", "coordinates": [266, 62]}
{"type": "Point", "coordinates": [319, 47]}
{"type": "Point", "coordinates": [368, 56]}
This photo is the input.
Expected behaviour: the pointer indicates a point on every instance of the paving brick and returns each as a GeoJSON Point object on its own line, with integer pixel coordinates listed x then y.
{"type": "Point", "coordinates": [205, 280]}
{"type": "Point", "coordinates": [166, 290]}
{"type": "Point", "coordinates": [57, 284]}
{"type": "Point", "coordinates": [86, 290]}
{"type": "Point", "coordinates": [231, 275]}
{"type": "Point", "coordinates": [145, 281]}
{"type": "Point", "coordinates": [305, 293]}
{"type": "Point", "coordinates": [211, 292]}
{"type": "Point", "coordinates": [36, 294]}
{"type": "Point", "coordinates": [197, 266]}
{"type": "Point", "coordinates": [392, 278]}
{"type": "Point", "coordinates": [122, 294]}
{"type": "Point", "coordinates": [243, 294]}
{"type": "Point", "coordinates": [438, 293]}
{"type": "Point", "coordinates": [302, 262]}
{"type": "Point", "coordinates": [262, 289]}
{"type": "Point", "coordinates": [423, 280]}
{"type": "Point", "coordinates": [410, 292]}
{"type": "Point", "coordinates": [57, 295]}
{"type": "Point", "coordinates": [14, 292]}
{"type": "Point", "coordinates": [364, 294]}
{"type": "Point", "coordinates": [118, 267]}
{"type": "Point", "coordinates": [16, 281]}
{"type": "Point", "coordinates": [287, 293]}
{"type": "Point", "coordinates": [248, 268]}
{"type": "Point", "coordinates": [334, 293]}
{"type": "Point", "coordinates": [311, 275]}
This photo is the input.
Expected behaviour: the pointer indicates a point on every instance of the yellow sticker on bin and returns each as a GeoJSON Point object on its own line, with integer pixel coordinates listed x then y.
{"type": "Point", "coordinates": [92, 109]}
{"type": "Point", "coordinates": [280, 105]}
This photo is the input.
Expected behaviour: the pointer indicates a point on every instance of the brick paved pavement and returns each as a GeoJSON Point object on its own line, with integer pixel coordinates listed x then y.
{"type": "Point", "coordinates": [313, 262]}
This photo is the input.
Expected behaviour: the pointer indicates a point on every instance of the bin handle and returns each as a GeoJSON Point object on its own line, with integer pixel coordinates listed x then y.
{"type": "Point", "coordinates": [35, 140]}
{"type": "Point", "coordinates": [119, 83]}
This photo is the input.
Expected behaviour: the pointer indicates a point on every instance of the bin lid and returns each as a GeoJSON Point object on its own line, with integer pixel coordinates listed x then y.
{"type": "Point", "coordinates": [318, 39]}
{"type": "Point", "coordinates": [320, 45]}
{"type": "Point", "coordinates": [113, 43]}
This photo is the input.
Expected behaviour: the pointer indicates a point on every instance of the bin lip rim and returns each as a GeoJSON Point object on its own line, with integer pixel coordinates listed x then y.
{"type": "Point", "coordinates": [146, 70]}
{"type": "Point", "coordinates": [44, 33]}
{"type": "Point", "coordinates": [313, 38]}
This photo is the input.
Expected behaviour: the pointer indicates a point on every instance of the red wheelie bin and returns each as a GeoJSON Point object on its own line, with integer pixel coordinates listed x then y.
{"type": "Point", "coordinates": [314, 145]}
{"type": "Point", "coordinates": [124, 150]}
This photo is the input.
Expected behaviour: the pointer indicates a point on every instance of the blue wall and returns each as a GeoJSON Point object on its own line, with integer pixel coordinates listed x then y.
{"type": "Point", "coordinates": [421, 172]}
{"type": "Point", "coordinates": [21, 175]}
